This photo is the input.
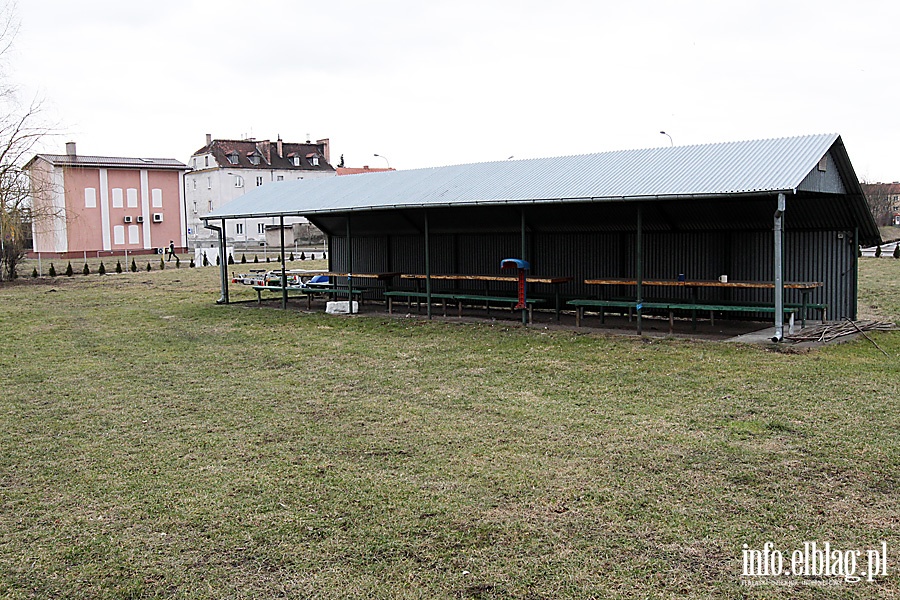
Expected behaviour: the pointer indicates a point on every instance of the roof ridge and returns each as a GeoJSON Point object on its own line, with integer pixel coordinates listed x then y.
{"type": "Point", "coordinates": [835, 136]}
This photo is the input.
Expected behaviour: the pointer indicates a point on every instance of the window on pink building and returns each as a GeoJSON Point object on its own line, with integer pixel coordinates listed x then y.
{"type": "Point", "coordinates": [90, 198]}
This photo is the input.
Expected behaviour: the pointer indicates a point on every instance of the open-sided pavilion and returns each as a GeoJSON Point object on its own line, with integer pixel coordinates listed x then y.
{"type": "Point", "coordinates": [775, 210]}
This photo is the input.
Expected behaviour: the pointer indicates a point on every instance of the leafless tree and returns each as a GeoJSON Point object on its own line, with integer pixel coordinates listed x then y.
{"type": "Point", "coordinates": [20, 131]}
{"type": "Point", "coordinates": [883, 199]}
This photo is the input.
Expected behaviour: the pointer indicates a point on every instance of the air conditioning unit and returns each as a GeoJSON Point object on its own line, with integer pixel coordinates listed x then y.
{"type": "Point", "coordinates": [157, 217]}
{"type": "Point", "coordinates": [128, 219]}
{"type": "Point", "coordinates": [140, 218]}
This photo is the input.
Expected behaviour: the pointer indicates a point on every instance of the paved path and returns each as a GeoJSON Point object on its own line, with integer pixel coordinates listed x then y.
{"type": "Point", "coordinates": [887, 250]}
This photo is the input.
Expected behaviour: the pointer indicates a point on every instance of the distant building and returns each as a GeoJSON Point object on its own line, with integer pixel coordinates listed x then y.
{"type": "Point", "coordinates": [223, 170]}
{"type": "Point", "coordinates": [100, 204]}
{"type": "Point", "coordinates": [358, 170]}
{"type": "Point", "coordinates": [884, 201]}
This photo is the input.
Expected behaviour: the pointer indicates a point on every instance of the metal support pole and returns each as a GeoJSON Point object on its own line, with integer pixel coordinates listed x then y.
{"type": "Point", "coordinates": [223, 241]}
{"type": "Point", "coordinates": [349, 268]}
{"type": "Point", "coordinates": [223, 269]}
{"type": "Point", "coordinates": [779, 269]}
{"type": "Point", "coordinates": [427, 269]}
{"type": "Point", "coordinates": [639, 269]}
{"type": "Point", "coordinates": [523, 257]}
{"type": "Point", "coordinates": [283, 273]}
{"type": "Point", "coordinates": [854, 307]}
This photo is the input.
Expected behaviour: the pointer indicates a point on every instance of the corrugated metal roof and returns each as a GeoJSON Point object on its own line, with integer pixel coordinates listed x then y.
{"type": "Point", "coordinates": [68, 160]}
{"type": "Point", "coordinates": [709, 170]}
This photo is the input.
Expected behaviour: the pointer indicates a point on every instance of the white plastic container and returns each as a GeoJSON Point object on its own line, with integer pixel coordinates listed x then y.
{"type": "Point", "coordinates": [341, 307]}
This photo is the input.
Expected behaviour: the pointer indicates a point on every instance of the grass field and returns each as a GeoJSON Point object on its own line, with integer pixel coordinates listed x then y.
{"type": "Point", "coordinates": [155, 445]}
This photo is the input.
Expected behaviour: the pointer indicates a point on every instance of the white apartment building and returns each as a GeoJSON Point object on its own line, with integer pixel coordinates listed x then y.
{"type": "Point", "coordinates": [222, 170]}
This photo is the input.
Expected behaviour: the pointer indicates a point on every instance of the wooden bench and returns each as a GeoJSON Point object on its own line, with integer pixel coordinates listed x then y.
{"type": "Point", "coordinates": [581, 304]}
{"type": "Point", "coordinates": [671, 307]}
{"type": "Point", "coordinates": [292, 290]}
{"type": "Point", "coordinates": [332, 290]}
{"type": "Point", "coordinates": [308, 291]}
{"type": "Point", "coordinates": [801, 308]}
{"type": "Point", "coordinates": [805, 307]}
{"type": "Point", "coordinates": [460, 298]}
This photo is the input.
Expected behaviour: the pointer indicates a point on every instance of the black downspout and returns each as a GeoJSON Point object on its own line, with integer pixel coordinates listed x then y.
{"type": "Point", "coordinates": [223, 266]}
{"type": "Point", "coordinates": [524, 309]}
{"type": "Point", "coordinates": [283, 273]}
{"type": "Point", "coordinates": [427, 268]}
{"type": "Point", "coordinates": [854, 308]}
{"type": "Point", "coordinates": [349, 269]}
{"type": "Point", "coordinates": [639, 270]}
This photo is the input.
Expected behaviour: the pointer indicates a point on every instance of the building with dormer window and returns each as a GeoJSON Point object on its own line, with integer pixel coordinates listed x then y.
{"type": "Point", "coordinates": [223, 170]}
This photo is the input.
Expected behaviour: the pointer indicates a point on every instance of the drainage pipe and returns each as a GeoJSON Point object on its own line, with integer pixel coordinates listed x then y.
{"type": "Point", "coordinates": [779, 269]}
{"type": "Point", "coordinates": [223, 263]}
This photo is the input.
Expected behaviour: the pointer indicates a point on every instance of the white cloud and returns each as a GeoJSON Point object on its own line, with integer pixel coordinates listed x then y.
{"type": "Point", "coordinates": [428, 83]}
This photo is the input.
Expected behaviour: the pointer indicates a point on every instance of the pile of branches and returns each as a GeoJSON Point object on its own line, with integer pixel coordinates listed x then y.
{"type": "Point", "coordinates": [832, 331]}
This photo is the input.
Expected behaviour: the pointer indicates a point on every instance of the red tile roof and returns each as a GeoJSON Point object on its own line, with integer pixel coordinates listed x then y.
{"type": "Point", "coordinates": [268, 150]}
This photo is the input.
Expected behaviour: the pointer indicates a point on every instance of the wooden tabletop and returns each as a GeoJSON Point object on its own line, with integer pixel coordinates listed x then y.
{"type": "Point", "coordinates": [796, 285]}
{"type": "Point", "coordinates": [311, 273]}
{"type": "Point", "coordinates": [554, 280]}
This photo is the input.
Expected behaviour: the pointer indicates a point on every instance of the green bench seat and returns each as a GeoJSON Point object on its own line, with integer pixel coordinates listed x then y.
{"type": "Point", "coordinates": [460, 299]}
{"type": "Point", "coordinates": [623, 302]}
{"type": "Point", "coordinates": [292, 290]}
{"type": "Point", "coordinates": [820, 306]}
{"type": "Point", "coordinates": [581, 304]}
{"type": "Point", "coordinates": [671, 307]}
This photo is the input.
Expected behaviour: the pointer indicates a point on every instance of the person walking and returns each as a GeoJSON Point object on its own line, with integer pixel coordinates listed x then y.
{"type": "Point", "coordinates": [171, 250]}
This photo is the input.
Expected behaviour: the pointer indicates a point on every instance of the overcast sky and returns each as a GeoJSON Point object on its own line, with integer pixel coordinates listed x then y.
{"type": "Point", "coordinates": [433, 82]}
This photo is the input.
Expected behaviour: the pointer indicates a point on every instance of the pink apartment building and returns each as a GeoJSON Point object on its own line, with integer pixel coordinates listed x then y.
{"type": "Point", "coordinates": [106, 205]}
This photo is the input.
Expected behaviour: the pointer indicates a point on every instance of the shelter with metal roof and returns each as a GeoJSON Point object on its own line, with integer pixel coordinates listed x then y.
{"type": "Point", "coordinates": [701, 210]}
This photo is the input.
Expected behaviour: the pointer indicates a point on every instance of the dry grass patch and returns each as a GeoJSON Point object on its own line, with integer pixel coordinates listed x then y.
{"type": "Point", "coordinates": [157, 445]}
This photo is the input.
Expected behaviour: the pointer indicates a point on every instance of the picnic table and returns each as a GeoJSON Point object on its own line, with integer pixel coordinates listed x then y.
{"type": "Point", "coordinates": [805, 288]}
{"type": "Point", "coordinates": [488, 279]}
{"type": "Point", "coordinates": [331, 288]}
{"type": "Point", "coordinates": [313, 273]}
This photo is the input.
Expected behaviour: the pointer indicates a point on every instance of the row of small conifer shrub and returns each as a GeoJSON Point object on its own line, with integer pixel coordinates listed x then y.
{"type": "Point", "coordinates": [101, 270]}
{"type": "Point", "coordinates": [69, 272]}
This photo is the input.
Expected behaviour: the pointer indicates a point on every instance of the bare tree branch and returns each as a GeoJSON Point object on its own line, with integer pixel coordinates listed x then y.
{"type": "Point", "coordinates": [20, 131]}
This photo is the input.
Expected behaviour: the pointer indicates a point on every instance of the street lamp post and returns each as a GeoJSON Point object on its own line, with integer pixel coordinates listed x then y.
{"type": "Point", "coordinates": [385, 160]}
{"type": "Point", "coordinates": [671, 143]}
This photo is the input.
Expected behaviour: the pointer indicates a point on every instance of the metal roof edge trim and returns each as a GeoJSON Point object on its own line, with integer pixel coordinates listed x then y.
{"type": "Point", "coordinates": [599, 199]}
